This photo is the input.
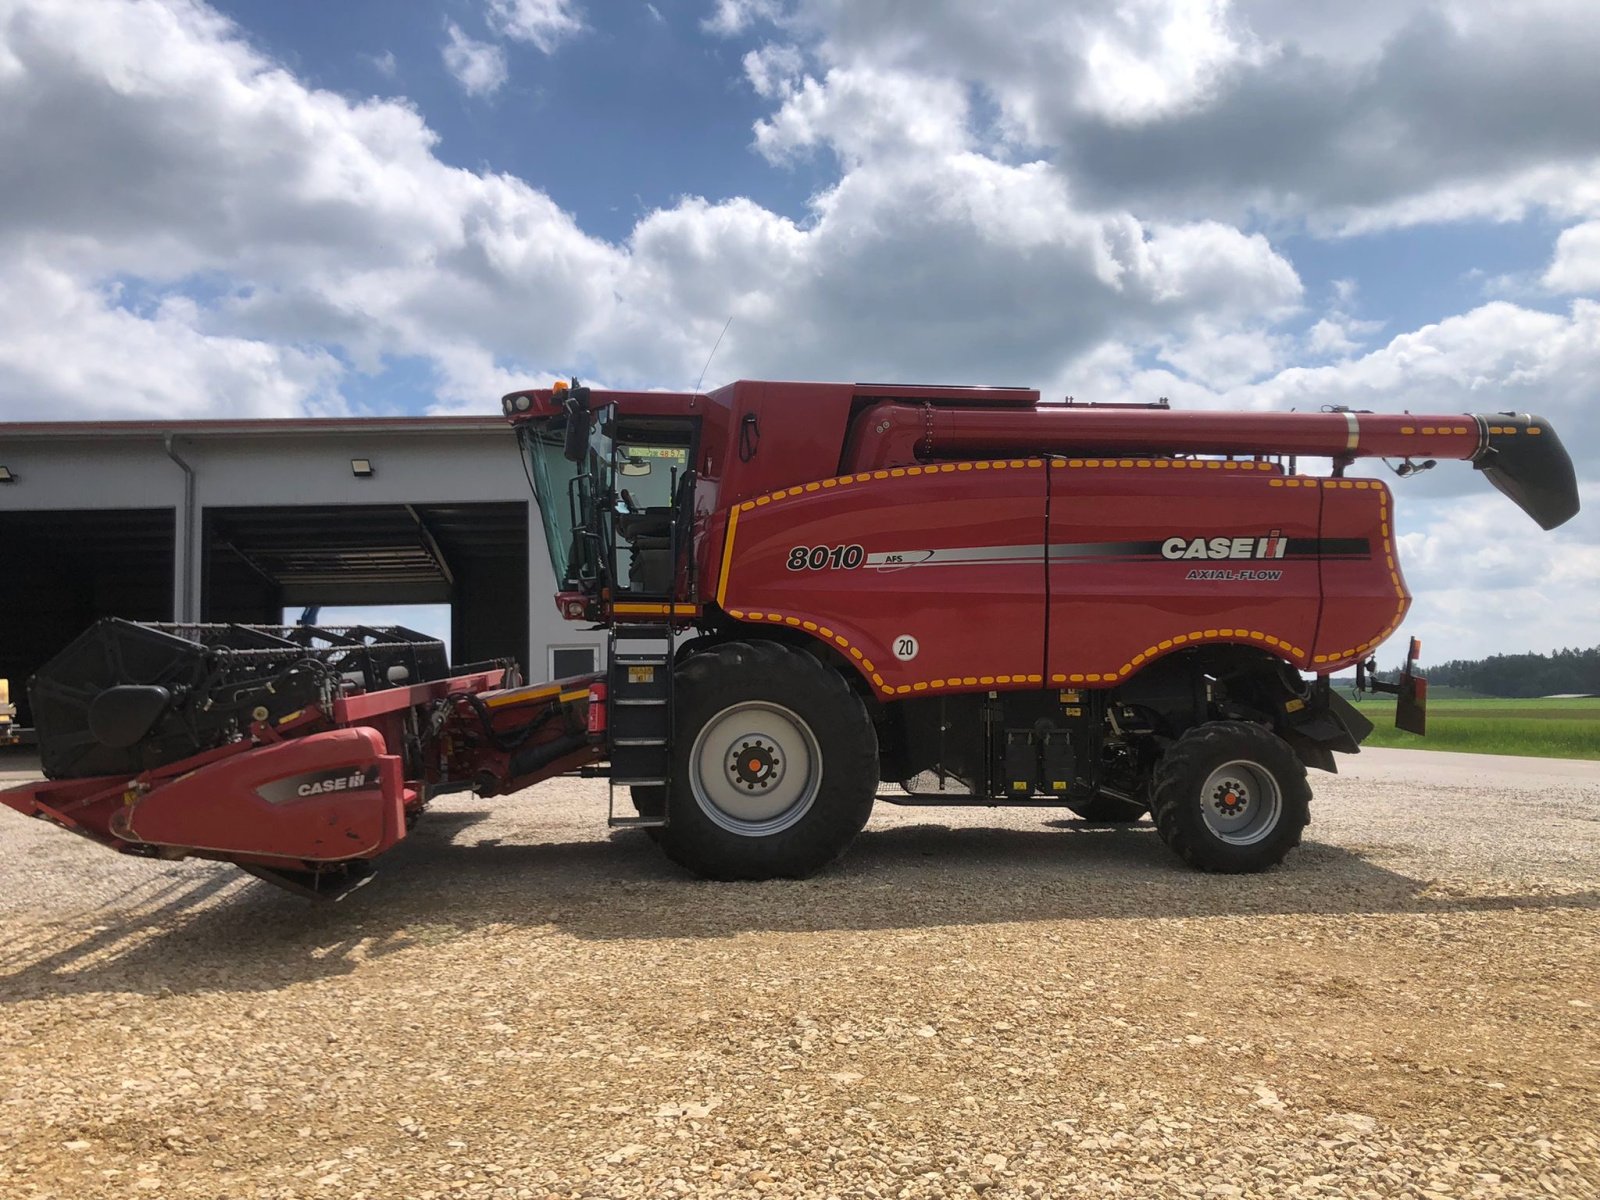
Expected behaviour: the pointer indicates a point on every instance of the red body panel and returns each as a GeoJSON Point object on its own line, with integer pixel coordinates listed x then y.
{"type": "Point", "coordinates": [952, 557]}
{"type": "Point", "coordinates": [324, 797]}
{"type": "Point", "coordinates": [1122, 594]}
{"type": "Point", "coordinates": [1144, 558]}
{"type": "Point", "coordinates": [1366, 595]}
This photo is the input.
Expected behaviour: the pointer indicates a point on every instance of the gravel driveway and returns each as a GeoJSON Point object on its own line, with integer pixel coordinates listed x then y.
{"type": "Point", "coordinates": [975, 1002]}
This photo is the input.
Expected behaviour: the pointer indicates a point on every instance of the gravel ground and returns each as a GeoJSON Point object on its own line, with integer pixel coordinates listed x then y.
{"type": "Point", "coordinates": [987, 1002]}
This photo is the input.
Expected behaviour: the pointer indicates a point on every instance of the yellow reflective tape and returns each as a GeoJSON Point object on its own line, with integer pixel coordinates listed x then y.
{"type": "Point", "coordinates": [727, 555]}
{"type": "Point", "coordinates": [522, 695]}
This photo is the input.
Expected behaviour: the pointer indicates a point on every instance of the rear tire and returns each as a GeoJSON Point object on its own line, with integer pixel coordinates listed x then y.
{"type": "Point", "coordinates": [774, 764]}
{"type": "Point", "coordinates": [1231, 797]}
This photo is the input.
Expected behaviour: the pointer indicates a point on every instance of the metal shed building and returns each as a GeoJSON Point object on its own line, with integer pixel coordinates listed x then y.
{"type": "Point", "coordinates": [238, 520]}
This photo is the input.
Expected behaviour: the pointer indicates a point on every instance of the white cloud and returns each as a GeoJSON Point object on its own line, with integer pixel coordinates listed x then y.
{"type": "Point", "coordinates": [731, 17]}
{"type": "Point", "coordinates": [773, 69]}
{"type": "Point", "coordinates": [1373, 114]}
{"type": "Point", "coordinates": [73, 352]}
{"type": "Point", "coordinates": [1157, 56]}
{"type": "Point", "coordinates": [1339, 334]}
{"type": "Point", "coordinates": [1221, 360]}
{"type": "Point", "coordinates": [479, 67]}
{"type": "Point", "coordinates": [864, 115]}
{"type": "Point", "coordinates": [1474, 579]}
{"type": "Point", "coordinates": [1576, 266]}
{"type": "Point", "coordinates": [541, 23]}
{"type": "Point", "coordinates": [1330, 337]}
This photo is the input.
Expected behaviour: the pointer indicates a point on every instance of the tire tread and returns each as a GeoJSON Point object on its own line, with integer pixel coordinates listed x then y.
{"type": "Point", "coordinates": [849, 779]}
{"type": "Point", "coordinates": [1182, 770]}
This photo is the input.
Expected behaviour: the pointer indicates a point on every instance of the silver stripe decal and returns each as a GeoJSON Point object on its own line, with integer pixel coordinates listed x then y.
{"type": "Point", "coordinates": [1355, 430]}
{"type": "Point", "coordinates": [893, 560]}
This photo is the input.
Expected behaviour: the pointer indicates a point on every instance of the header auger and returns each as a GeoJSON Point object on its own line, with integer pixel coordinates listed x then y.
{"type": "Point", "coordinates": [819, 596]}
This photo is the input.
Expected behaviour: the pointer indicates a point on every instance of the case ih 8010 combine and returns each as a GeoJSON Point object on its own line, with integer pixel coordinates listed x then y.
{"type": "Point", "coordinates": [813, 591]}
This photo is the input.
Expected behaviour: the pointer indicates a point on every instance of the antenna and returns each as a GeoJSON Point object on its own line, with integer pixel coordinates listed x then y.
{"type": "Point", "coordinates": [712, 355]}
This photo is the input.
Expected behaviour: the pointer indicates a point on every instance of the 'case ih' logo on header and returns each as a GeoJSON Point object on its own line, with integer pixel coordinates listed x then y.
{"type": "Point", "coordinates": [319, 783]}
{"type": "Point", "coordinates": [1274, 545]}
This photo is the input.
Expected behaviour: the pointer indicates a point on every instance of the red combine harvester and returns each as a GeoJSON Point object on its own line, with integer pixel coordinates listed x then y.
{"type": "Point", "coordinates": [811, 590]}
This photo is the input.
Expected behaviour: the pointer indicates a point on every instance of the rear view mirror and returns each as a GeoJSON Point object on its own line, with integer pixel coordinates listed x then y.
{"type": "Point", "coordinates": [634, 466]}
{"type": "Point", "coordinates": [575, 445]}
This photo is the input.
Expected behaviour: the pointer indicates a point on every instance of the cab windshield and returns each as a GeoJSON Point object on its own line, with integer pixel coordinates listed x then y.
{"type": "Point", "coordinates": [568, 494]}
{"type": "Point", "coordinates": [609, 518]}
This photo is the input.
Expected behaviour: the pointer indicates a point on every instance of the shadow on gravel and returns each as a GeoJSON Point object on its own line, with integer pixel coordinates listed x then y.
{"type": "Point", "coordinates": [222, 932]}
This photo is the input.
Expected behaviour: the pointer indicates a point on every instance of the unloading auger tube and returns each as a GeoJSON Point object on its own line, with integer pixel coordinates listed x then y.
{"type": "Point", "coordinates": [1518, 453]}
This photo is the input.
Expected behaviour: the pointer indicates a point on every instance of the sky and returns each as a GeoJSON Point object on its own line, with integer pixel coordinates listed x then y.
{"type": "Point", "coordinates": [287, 208]}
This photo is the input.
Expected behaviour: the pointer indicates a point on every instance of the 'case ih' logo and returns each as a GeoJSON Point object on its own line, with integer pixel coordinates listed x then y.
{"type": "Point", "coordinates": [319, 783]}
{"type": "Point", "coordinates": [339, 783]}
{"type": "Point", "coordinates": [1274, 545]}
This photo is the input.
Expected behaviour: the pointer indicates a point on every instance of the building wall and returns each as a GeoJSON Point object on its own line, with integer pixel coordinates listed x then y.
{"type": "Point", "coordinates": [82, 468]}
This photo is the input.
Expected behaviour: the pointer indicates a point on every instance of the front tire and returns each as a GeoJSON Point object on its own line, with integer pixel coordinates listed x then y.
{"type": "Point", "coordinates": [649, 800]}
{"type": "Point", "coordinates": [1231, 797]}
{"type": "Point", "coordinates": [774, 764]}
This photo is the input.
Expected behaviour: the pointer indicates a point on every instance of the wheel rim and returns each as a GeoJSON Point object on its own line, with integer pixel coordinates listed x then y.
{"type": "Point", "coordinates": [1241, 802]}
{"type": "Point", "coordinates": [755, 768]}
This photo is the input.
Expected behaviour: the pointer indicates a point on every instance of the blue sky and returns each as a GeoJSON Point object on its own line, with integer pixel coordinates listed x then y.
{"type": "Point", "coordinates": [667, 101]}
{"type": "Point", "coordinates": [277, 209]}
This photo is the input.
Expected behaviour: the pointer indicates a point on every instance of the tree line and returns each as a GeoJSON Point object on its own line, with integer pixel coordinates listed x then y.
{"type": "Point", "coordinates": [1520, 675]}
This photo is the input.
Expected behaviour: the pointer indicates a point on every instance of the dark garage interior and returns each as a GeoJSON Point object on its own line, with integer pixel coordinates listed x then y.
{"type": "Point", "coordinates": [64, 570]}
{"type": "Point", "coordinates": [474, 557]}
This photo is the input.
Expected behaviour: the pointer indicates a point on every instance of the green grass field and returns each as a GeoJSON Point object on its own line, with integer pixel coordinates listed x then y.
{"type": "Point", "coordinates": [1543, 728]}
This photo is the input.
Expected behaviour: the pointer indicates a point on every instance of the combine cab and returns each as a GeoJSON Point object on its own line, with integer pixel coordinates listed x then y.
{"type": "Point", "coordinates": [819, 596]}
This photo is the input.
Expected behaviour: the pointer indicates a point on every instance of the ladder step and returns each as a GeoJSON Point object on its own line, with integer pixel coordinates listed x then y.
{"type": "Point", "coordinates": [640, 656]}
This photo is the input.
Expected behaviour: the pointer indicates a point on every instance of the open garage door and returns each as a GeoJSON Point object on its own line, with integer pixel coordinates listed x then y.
{"type": "Point", "coordinates": [474, 557]}
{"type": "Point", "coordinates": [64, 570]}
